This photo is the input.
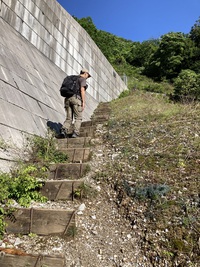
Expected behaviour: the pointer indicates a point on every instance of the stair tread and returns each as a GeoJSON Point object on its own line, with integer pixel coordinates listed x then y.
{"type": "Point", "coordinates": [67, 170]}
{"type": "Point", "coordinates": [60, 189]}
{"type": "Point", "coordinates": [16, 257]}
{"type": "Point", "coordinates": [40, 221]}
{"type": "Point", "coordinates": [77, 155]}
{"type": "Point", "coordinates": [73, 142]}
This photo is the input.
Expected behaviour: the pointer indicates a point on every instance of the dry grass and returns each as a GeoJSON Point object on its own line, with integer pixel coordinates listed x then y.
{"type": "Point", "coordinates": [156, 144]}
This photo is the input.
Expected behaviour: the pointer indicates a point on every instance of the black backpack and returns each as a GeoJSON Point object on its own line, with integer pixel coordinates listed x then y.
{"type": "Point", "coordinates": [70, 86]}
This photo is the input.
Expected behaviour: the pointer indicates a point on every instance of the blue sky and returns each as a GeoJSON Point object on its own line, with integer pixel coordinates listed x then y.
{"type": "Point", "coordinates": [137, 20]}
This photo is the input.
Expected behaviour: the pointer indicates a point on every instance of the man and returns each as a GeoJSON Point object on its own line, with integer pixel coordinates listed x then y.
{"type": "Point", "coordinates": [74, 107]}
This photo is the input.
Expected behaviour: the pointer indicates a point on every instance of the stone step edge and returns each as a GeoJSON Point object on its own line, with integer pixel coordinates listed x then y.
{"type": "Point", "coordinates": [40, 221]}
{"type": "Point", "coordinates": [78, 142]}
{"type": "Point", "coordinates": [15, 257]}
{"type": "Point", "coordinates": [64, 189]}
{"type": "Point", "coordinates": [77, 155]}
{"type": "Point", "coordinates": [69, 171]}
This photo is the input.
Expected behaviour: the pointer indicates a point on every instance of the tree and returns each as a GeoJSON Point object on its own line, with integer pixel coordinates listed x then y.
{"type": "Point", "coordinates": [114, 48]}
{"type": "Point", "coordinates": [89, 26]}
{"type": "Point", "coordinates": [195, 60]}
{"type": "Point", "coordinates": [195, 37]}
{"type": "Point", "coordinates": [173, 54]}
{"type": "Point", "coordinates": [141, 52]}
{"type": "Point", "coordinates": [195, 33]}
{"type": "Point", "coordinates": [187, 86]}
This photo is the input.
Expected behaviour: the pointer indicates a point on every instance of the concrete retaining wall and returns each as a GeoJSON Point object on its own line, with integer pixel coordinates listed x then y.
{"type": "Point", "coordinates": [40, 43]}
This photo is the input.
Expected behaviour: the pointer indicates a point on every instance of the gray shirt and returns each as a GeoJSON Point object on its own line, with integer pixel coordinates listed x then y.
{"type": "Point", "coordinates": [82, 83]}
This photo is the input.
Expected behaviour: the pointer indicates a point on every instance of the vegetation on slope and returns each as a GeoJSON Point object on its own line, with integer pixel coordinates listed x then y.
{"type": "Point", "coordinates": [173, 56]}
{"type": "Point", "coordinates": [155, 170]}
{"type": "Point", "coordinates": [23, 183]}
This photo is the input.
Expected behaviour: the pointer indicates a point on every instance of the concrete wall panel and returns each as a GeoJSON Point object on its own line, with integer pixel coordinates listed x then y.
{"type": "Point", "coordinates": [40, 43]}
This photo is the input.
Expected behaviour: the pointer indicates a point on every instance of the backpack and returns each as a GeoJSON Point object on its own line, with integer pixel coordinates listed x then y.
{"type": "Point", "coordinates": [69, 86]}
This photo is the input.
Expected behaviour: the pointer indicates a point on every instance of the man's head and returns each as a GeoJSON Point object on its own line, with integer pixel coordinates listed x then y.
{"type": "Point", "coordinates": [85, 73]}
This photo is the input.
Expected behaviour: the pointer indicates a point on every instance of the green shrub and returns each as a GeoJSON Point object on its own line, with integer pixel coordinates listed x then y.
{"type": "Point", "coordinates": [124, 93]}
{"type": "Point", "coordinates": [2, 224]}
{"type": "Point", "coordinates": [163, 88]}
{"type": "Point", "coordinates": [5, 180]}
{"type": "Point", "coordinates": [152, 191]}
{"type": "Point", "coordinates": [22, 185]}
{"type": "Point", "coordinates": [44, 149]}
{"type": "Point", "coordinates": [187, 86]}
{"type": "Point", "coordinates": [85, 191]}
{"type": "Point", "coordinates": [72, 231]}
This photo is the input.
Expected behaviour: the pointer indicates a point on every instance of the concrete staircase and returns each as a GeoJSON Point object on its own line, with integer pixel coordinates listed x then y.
{"type": "Point", "coordinates": [63, 181]}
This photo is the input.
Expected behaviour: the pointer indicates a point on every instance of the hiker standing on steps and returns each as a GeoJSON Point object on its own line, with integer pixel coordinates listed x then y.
{"type": "Point", "coordinates": [74, 107]}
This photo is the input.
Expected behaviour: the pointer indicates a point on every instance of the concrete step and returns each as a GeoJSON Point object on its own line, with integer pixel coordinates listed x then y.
{"type": "Point", "coordinates": [77, 155]}
{"type": "Point", "coordinates": [87, 131]}
{"type": "Point", "coordinates": [103, 108]}
{"type": "Point", "coordinates": [79, 142]}
{"type": "Point", "coordinates": [40, 221]}
{"type": "Point", "coordinates": [100, 119]}
{"type": "Point", "coordinates": [100, 116]}
{"type": "Point", "coordinates": [95, 119]}
{"type": "Point", "coordinates": [88, 124]}
{"type": "Point", "coordinates": [63, 171]}
{"type": "Point", "coordinates": [101, 112]}
{"type": "Point", "coordinates": [61, 189]}
{"type": "Point", "coordinates": [103, 105]}
{"type": "Point", "coordinates": [16, 257]}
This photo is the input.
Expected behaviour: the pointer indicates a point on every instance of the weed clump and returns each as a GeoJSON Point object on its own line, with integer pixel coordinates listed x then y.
{"type": "Point", "coordinates": [22, 186]}
{"type": "Point", "coordinates": [151, 191]}
{"type": "Point", "coordinates": [43, 149]}
{"type": "Point", "coordinates": [23, 183]}
{"type": "Point", "coordinates": [84, 191]}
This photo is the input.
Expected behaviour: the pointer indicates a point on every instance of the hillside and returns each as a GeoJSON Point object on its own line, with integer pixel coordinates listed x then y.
{"type": "Point", "coordinates": [154, 172]}
{"type": "Point", "coordinates": [144, 206]}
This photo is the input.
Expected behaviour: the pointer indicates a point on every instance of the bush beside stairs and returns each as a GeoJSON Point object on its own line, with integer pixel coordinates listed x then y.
{"type": "Point", "coordinates": [64, 179]}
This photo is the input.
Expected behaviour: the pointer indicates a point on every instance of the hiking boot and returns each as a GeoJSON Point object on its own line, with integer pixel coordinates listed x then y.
{"type": "Point", "coordinates": [62, 134]}
{"type": "Point", "coordinates": [74, 135]}
{"type": "Point", "coordinates": [69, 135]}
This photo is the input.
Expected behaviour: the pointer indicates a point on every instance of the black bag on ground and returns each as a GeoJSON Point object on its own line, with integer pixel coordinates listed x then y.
{"type": "Point", "coordinates": [69, 86]}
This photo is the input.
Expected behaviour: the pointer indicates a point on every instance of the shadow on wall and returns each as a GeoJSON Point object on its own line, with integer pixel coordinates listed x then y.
{"type": "Point", "coordinates": [54, 126]}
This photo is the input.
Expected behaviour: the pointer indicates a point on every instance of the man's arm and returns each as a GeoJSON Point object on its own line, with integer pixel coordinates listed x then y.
{"type": "Point", "coordinates": [83, 97]}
